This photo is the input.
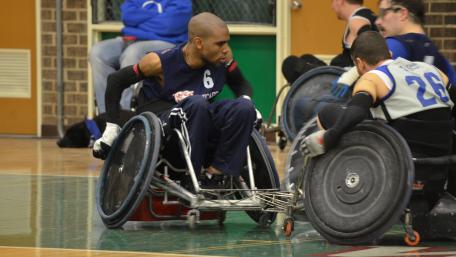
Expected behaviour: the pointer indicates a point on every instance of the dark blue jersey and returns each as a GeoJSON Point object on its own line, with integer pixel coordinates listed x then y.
{"type": "Point", "coordinates": [207, 81]}
{"type": "Point", "coordinates": [418, 47]}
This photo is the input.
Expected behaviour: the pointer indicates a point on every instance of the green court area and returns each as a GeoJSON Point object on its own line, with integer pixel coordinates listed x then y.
{"type": "Point", "coordinates": [60, 212]}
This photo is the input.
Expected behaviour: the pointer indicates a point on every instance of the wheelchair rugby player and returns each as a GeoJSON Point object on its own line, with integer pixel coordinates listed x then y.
{"type": "Point", "coordinates": [343, 198]}
{"type": "Point", "coordinates": [182, 143]}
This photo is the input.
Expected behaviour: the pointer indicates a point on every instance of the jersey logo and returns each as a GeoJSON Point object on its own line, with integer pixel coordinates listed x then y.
{"type": "Point", "coordinates": [207, 80]}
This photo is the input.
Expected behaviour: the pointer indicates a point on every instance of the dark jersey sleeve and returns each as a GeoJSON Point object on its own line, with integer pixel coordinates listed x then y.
{"type": "Point", "coordinates": [236, 80]}
{"type": "Point", "coordinates": [117, 83]}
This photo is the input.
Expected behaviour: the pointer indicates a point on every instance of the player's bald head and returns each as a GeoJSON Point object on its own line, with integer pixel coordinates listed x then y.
{"type": "Point", "coordinates": [204, 25]}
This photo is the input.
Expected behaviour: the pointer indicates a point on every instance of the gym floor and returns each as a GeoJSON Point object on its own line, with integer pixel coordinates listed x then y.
{"type": "Point", "coordinates": [47, 199]}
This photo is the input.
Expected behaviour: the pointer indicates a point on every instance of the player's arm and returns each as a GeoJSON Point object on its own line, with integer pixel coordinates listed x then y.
{"type": "Point", "coordinates": [235, 79]}
{"type": "Point", "coordinates": [356, 26]}
{"type": "Point", "coordinates": [118, 81]}
{"type": "Point", "coordinates": [396, 48]}
{"type": "Point", "coordinates": [149, 65]}
{"type": "Point", "coordinates": [451, 89]}
{"type": "Point", "coordinates": [364, 95]}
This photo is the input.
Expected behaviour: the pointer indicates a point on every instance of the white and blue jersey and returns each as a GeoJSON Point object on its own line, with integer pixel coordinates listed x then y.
{"type": "Point", "coordinates": [413, 87]}
{"type": "Point", "coordinates": [206, 81]}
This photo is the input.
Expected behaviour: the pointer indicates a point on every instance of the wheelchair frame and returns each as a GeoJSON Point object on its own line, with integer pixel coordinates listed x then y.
{"type": "Point", "coordinates": [200, 199]}
{"type": "Point", "coordinates": [268, 200]}
{"type": "Point", "coordinates": [239, 196]}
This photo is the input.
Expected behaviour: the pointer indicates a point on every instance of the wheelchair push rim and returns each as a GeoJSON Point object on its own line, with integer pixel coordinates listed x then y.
{"type": "Point", "coordinates": [312, 88]}
{"type": "Point", "coordinates": [146, 129]}
{"type": "Point", "coordinates": [358, 190]}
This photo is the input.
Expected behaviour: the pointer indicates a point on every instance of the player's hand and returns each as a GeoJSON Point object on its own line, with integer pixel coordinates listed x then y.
{"type": "Point", "coordinates": [313, 144]}
{"type": "Point", "coordinates": [339, 89]}
{"type": "Point", "coordinates": [103, 145]}
{"type": "Point", "coordinates": [259, 117]}
{"type": "Point", "coordinates": [341, 86]}
{"type": "Point", "coordinates": [258, 120]}
{"type": "Point", "coordinates": [181, 95]}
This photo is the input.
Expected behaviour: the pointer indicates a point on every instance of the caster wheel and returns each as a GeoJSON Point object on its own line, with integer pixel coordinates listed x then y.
{"type": "Point", "coordinates": [265, 220]}
{"type": "Point", "coordinates": [221, 218]}
{"type": "Point", "coordinates": [282, 143]}
{"type": "Point", "coordinates": [192, 218]}
{"type": "Point", "coordinates": [411, 242]}
{"type": "Point", "coordinates": [288, 226]}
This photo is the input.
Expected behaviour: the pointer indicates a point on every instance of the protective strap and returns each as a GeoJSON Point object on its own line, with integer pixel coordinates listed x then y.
{"type": "Point", "coordinates": [138, 71]}
{"type": "Point", "coordinates": [385, 112]}
{"type": "Point", "coordinates": [92, 126]}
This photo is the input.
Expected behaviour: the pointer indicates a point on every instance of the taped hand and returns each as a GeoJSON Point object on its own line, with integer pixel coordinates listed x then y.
{"type": "Point", "coordinates": [313, 144]}
{"type": "Point", "coordinates": [341, 86]}
{"type": "Point", "coordinates": [103, 145]}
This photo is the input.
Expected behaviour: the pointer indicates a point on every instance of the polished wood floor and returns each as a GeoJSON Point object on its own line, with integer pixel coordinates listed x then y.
{"type": "Point", "coordinates": [47, 201]}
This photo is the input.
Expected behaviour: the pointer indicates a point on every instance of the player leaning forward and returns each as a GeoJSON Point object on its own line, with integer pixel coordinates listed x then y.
{"type": "Point", "coordinates": [188, 77]}
{"type": "Point", "coordinates": [413, 97]}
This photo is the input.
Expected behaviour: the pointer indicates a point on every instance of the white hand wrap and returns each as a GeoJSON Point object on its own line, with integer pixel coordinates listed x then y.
{"type": "Point", "coordinates": [312, 145]}
{"type": "Point", "coordinates": [349, 77]}
{"type": "Point", "coordinates": [109, 135]}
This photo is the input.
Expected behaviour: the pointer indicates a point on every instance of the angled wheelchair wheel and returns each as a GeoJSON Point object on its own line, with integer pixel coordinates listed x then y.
{"type": "Point", "coordinates": [295, 159]}
{"type": "Point", "coordinates": [294, 165]}
{"type": "Point", "coordinates": [308, 94]}
{"type": "Point", "coordinates": [358, 190]}
{"type": "Point", "coordinates": [265, 174]}
{"type": "Point", "coordinates": [128, 170]}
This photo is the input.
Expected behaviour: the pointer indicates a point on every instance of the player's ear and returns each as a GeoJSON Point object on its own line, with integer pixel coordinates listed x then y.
{"type": "Point", "coordinates": [198, 42]}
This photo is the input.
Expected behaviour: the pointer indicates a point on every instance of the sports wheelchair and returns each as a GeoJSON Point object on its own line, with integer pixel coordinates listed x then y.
{"type": "Point", "coordinates": [357, 191]}
{"type": "Point", "coordinates": [305, 98]}
{"type": "Point", "coordinates": [148, 176]}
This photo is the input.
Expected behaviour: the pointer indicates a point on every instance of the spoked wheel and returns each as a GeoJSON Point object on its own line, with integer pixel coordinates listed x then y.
{"type": "Point", "coordinates": [265, 175]}
{"type": "Point", "coordinates": [294, 168]}
{"type": "Point", "coordinates": [264, 172]}
{"type": "Point", "coordinates": [308, 94]}
{"type": "Point", "coordinates": [128, 170]}
{"type": "Point", "coordinates": [221, 218]}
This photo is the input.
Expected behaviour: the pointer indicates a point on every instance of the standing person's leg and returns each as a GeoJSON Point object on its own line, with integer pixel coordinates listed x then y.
{"type": "Point", "coordinates": [104, 60]}
{"type": "Point", "coordinates": [132, 55]}
{"type": "Point", "coordinates": [234, 120]}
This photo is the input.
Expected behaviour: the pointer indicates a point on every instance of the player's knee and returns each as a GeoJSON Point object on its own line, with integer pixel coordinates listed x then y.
{"type": "Point", "coordinates": [196, 102]}
{"type": "Point", "coordinates": [244, 108]}
{"type": "Point", "coordinates": [96, 54]}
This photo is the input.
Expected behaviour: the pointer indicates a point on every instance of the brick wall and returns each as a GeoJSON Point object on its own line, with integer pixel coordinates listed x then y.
{"type": "Point", "coordinates": [74, 29]}
{"type": "Point", "coordinates": [441, 26]}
